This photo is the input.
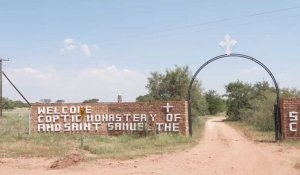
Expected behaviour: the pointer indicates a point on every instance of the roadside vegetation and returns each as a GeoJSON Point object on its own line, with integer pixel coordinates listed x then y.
{"type": "Point", "coordinates": [173, 85]}
{"type": "Point", "coordinates": [256, 135]}
{"type": "Point", "coordinates": [131, 146]}
{"type": "Point", "coordinates": [251, 106]}
{"type": "Point", "coordinates": [11, 104]}
{"type": "Point", "coordinates": [216, 104]}
{"type": "Point", "coordinates": [15, 141]}
{"type": "Point", "coordinates": [248, 107]}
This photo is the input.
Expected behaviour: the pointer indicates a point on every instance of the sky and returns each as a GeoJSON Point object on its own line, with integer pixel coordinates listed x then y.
{"type": "Point", "coordinates": [83, 49]}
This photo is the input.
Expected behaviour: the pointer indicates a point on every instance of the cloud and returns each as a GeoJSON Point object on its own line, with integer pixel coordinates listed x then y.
{"type": "Point", "coordinates": [253, 70]}
{"type": "Point", "coordinates": [104, 83]}
{"type": "Point", "coordinates": [108, 73]}
{"type": "Point", "coordinates": [71, 44]}
{"type": "Point", "coordinates": [86, 50]}
{"type": "Point", "coordinates": [29, 70]}
{"type": "Point", "coordinates": [33, 73]}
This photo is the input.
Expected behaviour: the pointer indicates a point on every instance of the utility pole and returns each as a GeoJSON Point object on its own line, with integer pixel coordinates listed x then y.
{"type": "Point", "coordinates": [1, 104]}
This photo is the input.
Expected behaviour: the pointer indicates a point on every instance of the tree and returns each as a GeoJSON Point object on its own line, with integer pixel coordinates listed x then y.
{"type": "Point", "coordinates": [252, 104]}
{"type": "Point", "coordinates": [145, 98]}
{"type": "Point", "coordinates": [94, 100]}
{"type": "Point", "coordinates": [154, 85]}
{"type": "Point", "coordinates": [286, 92]}
{"type": "Point", "coordinates": [19, 104]}
{"type": "Point", "coordinates": [173, 85]}
{"type": "Point", "coordinates": [215, 103]}
{"type": "Point", "coordinates": [260, 113]}
{"type": "Point", "coordinates": [10, 104]}
{"type": "Point", "coordinates": [45, 100]}
{"type": "Point", "coordinates": [238, 95]}
{"type": "Point", "coordinates": [7, 103]}
{"type": "Point", "coordinates": [60, 101]}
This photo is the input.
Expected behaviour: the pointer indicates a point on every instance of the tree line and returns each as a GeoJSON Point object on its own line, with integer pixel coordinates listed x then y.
{"type": "Point", "coordinates": [11, 104]}
{"type": "Point", "coordinates": [254, 103]}
{"type": "Point", "coordinates": [250, 103]}
{"type": "Point", "coordinates": [47, 101]}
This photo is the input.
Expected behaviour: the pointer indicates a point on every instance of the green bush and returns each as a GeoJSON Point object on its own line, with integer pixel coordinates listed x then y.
{"type": "Point", "coordinates": [260, 114]}
{"type": "Point", "coordinates": [215, 102]}
{"type": "Point", "coordinates": [251, 104]}
{"type": "Point", "coordinates": [173, 85]}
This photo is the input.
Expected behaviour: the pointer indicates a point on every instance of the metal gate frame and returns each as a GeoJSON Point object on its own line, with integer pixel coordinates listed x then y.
{"type": "Point", "coordinates": [277, 118]}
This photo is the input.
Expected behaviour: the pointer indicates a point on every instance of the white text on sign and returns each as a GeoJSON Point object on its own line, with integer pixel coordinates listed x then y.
{"type": "Point", "coordinates": [293, 121]}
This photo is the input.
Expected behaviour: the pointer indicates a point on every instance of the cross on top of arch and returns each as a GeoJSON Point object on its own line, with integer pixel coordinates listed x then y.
{"type": "Point", "coordinates": [228, 44]}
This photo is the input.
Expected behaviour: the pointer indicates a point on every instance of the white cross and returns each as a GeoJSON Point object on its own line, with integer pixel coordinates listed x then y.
{"type": "Point", "coordinates": [168, 107]}
{"type": "Point", "coordinates": [228, 43]}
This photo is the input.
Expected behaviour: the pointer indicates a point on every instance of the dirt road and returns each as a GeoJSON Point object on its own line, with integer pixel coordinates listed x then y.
{"type": "Point", "coordinates": [221, 151]}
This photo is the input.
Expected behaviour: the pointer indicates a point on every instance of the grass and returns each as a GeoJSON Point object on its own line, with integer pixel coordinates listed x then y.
{"type": "Point", "coordinates": [258, 135]}
{"type": "Point", "coordinates": [198, 126]}
{"type": "Point", "coordinates": [15, 141]}
{"type": "Point", "coordinates": [124, 147]}
{"type": "Point", "coordinates": [130, 146]}
{"type": "Point", "coordinates": [252, 132]}
{"type": "Point", "coordinates": [293, 143]}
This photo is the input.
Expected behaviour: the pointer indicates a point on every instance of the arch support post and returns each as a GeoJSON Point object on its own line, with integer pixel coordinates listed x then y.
{"type": "Point", "coordinates": [277, 118]}
{"type": "Point", "coordinates": [190, 118]}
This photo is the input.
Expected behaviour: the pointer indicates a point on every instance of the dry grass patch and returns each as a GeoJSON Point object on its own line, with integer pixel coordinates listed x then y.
{"type": "Point", "coordinates": [264, 136]}
{"type": "Point", "coordinates": [251, 132]}
{"type": "Point", "coordinates": [293, 143]}
{"type": "Point", "coordinates": [15, 141]}
{"type": "Point", "coordinates": [124, 147]}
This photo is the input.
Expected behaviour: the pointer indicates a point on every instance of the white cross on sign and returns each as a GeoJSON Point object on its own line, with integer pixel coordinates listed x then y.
{"type": "Point", "coordinates": [228, 43]}
{"type": "Point", "coordinates": [168, 107]}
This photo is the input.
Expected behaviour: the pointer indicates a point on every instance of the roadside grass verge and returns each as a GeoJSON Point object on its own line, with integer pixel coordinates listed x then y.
{"type": "Point", "coordinates": [130, 146]}
{"type": "Point", "coordinates": [124, 147]}
{"type": "Point", "coordinates": [293, 143]}
{"type": "Point", "coordinates": [255, 134]}
{"type": "Point", "coordinates": [251, 132]}
{"type": "Point", "coordinates": [15, 141]}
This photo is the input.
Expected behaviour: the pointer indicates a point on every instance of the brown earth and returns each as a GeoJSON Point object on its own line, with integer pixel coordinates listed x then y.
{"type": "Point", "coordinates": [67, 161]}
{"type": "Point", "coordinates": [221, 151]}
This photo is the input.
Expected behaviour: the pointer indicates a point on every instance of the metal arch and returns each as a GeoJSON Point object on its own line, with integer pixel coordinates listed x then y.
{"type": "Point", "coordinates": [276, 106]}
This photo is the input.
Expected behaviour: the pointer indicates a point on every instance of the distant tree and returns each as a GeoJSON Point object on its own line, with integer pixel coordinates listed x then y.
{"type": "Point", "coordinates": [20, 104]}
{"type": "Point", "coordinates": [94, 100]}
{"type": "Point", "coordinates": [10, 104]}
{"type": "Point", "coordinates": [7, 103]}
{"type": "Point", "coordinates": [45, 100]}
{"type": "Point", "coordinates": [215, 102]}
{"type": "Point", "coordinates": [238, 96]}
{"type": "Point", "coordinates": [287, 92]}
{"type": "Point", "coordinates": [260, 112]}
{"type": "Point", "coordinates": [252, 104]}
{"type": "Point", "coordinates": [60, 101]}
{"type": "Point", "coordinates": [173, 85]}
{"type": "Point", "coordinates": [155, 86]}
{"type": "Point", "coordinates": [145, 98]}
